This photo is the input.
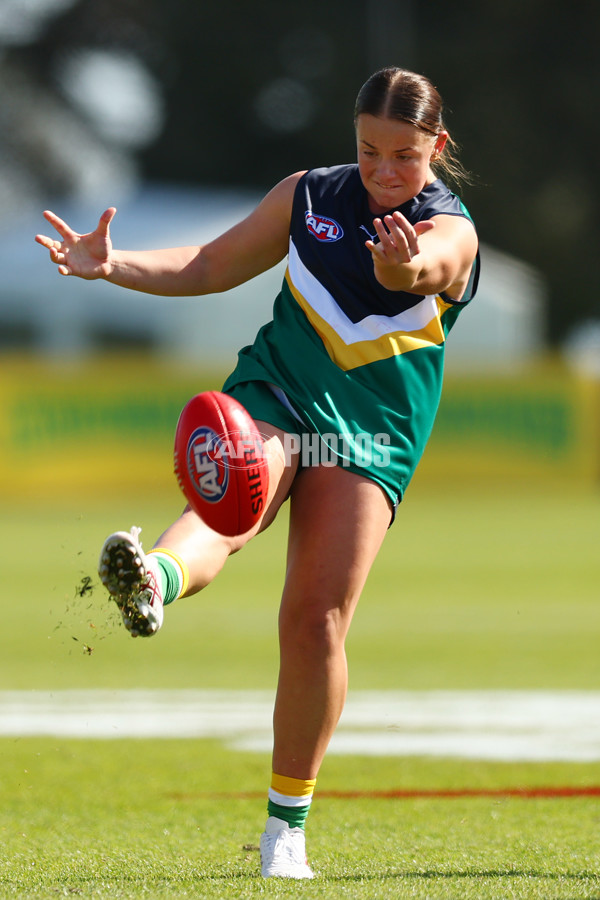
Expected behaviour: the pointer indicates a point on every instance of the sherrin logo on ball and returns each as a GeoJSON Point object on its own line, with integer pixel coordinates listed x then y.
{"type": "Point", "coordinates": [207, 464]}
{"type": "Point", "coordinates": [220, 463]}
{"type": "Point", "coordinates": [323, 228]}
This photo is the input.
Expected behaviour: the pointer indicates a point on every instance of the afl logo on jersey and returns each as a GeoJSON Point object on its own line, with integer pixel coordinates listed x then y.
{"type": "Point", "coordinates": [322, 228]}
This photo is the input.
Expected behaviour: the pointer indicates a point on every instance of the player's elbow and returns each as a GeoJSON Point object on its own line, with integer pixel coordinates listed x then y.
{"type": "Point", "coordinates": [433, 280]}
{"type": "Point", "coordinates": [205, 273]}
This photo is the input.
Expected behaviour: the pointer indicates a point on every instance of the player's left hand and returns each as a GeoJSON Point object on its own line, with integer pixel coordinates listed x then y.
{"type": "Point", "coordinates": [398, 239]}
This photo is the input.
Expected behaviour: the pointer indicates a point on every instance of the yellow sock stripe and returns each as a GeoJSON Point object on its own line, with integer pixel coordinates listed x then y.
{"type": "Point", "coordinates": [185, 574]}
{"type": "Point", "coordinates": [292, 787]}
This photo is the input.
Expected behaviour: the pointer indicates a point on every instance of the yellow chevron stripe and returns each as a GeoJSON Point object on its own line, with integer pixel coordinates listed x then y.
{"type": "Point", "coordinates": [360, 353]}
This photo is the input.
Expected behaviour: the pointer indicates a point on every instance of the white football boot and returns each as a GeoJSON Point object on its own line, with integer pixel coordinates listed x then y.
{"type": "Point", "coordinates": [283, 851]}
{"type": "Point", "coordinates": [133, 581]}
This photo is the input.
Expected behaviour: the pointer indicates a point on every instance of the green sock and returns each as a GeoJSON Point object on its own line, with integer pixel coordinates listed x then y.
{"type": "Point", "coordinates": [290, 799]}
{"type": "Point", "coordinates": [173, 574]}
{"type": "Point", "coordinates": [295, 816]}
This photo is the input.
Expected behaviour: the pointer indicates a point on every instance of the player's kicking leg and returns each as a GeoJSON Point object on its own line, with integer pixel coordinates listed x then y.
{"type": "Point", "coordinates": [188, 555]}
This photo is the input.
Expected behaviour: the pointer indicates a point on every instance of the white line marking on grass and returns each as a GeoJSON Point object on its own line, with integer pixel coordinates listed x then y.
{"type": "Point", "coordinates": [494, 725]}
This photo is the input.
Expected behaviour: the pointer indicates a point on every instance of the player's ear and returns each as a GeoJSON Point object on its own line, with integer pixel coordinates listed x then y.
{"type": "Point", "coordinates": [440, 143]}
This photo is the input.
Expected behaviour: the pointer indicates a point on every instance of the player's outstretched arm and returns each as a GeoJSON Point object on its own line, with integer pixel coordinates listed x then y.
{"type": "Point", "coordinates": [92, 256]}
{"type": "Point", "coordinates": [249, 248]}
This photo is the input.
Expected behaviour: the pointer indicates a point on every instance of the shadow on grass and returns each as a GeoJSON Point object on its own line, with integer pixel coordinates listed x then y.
{"type": "Point", "coordinates": [426, 875]}
{"type": "Point", "coordinates": [432, 874]}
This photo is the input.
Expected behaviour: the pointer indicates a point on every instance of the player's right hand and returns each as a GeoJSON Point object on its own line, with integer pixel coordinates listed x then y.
{"type": "Point", "coordinates": [85, 255]}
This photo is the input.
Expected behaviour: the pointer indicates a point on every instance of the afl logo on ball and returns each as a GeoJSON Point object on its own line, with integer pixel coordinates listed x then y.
{"type": "Point", "coordinates": [207, 464]}
{"type": "Point", "coordinates": [322, 228]}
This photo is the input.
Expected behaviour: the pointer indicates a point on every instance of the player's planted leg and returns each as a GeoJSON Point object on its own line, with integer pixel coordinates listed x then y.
{"type": "Point", "coordinates": [324, 580]}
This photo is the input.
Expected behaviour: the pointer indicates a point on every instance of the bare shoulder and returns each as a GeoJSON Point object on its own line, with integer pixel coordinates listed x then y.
{"type": "Point", "coordinates": [280, 198]}
{"type": "Point", "coordinates": [256, 243]}
{"type": "Point", "coordinates": [454, 237]}
{"type": "Point", "coordinates": [457, 244]}
{"type": "Point", "coordinates": [270, 221]}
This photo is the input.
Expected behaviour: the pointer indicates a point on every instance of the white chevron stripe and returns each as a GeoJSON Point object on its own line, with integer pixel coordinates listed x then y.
{"type": "Point", "coordinates": [369, 328]}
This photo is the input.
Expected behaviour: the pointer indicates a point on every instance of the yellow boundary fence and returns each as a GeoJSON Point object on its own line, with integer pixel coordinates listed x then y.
{"type": "Point", "coordinates": [106, 425]}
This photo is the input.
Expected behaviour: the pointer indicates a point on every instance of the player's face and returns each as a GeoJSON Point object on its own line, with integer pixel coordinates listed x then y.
{"type": "Point", "coordinates": [393, 160]}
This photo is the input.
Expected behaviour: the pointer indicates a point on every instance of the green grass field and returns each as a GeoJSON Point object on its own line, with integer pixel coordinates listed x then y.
{"type": "Point", "coordinates": [473, 589]}
{"type": "Point", "coordinates": [132, 819]}
{"type": "Point", "coordinates": [476, 589]}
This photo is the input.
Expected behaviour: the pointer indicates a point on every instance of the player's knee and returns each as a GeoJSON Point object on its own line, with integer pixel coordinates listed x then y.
{"type": "Point", "coordinates": [313, 626]}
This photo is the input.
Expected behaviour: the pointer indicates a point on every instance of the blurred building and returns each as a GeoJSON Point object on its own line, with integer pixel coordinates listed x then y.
{"type": "Point", "coordinates": [59, 316]}
{"type": "Point", "coordinates": [99, 100]}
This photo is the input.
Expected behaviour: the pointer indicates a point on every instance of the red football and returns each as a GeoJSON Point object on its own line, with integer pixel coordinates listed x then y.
{"type": "Point", "coordinates": [220, 464]}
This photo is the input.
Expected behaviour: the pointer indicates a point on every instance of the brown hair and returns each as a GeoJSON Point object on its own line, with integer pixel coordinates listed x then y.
{"type": "Point", "coordinates": [393, 93]}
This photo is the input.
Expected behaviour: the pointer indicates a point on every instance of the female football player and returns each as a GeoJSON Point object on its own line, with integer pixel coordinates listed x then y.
{"type": "Point", "coordinates": [382, 257]}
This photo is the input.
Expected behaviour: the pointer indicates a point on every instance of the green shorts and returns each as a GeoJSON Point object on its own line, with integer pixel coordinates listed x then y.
{"type": "Point", "coordinates": [261, 402]}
